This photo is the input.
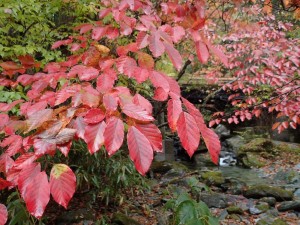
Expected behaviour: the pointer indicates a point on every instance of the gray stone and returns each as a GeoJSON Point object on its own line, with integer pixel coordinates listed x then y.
{"type": "Point", "coordinates": [222, 131]}
{"type": "Point", "coordinates": [270, 200]}
{"type": "Point", "coordinates": [259, 208]}
{"type": "Point", "coordinates": [235, 143]}
{"type": "Point", "coordinates": [297, 194]}
{"type": "Point", "coordinates": [289, 205]}
{"type": "Point", "coordinates": [214, 200]}
{"type": "Point", "coordinates": [260, 191]}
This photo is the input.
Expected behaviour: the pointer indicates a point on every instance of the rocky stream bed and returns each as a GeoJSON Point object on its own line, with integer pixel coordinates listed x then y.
{"type": "Point", "coordinates": [267, 193]}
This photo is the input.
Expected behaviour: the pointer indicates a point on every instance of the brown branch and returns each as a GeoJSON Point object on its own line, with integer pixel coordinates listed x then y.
{"type": "Point", "coordinates": [182, 71]}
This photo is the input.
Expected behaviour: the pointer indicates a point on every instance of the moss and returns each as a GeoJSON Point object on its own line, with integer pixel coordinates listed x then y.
{"type": "Point", "coordinates": [234, 210]}
{"type": "Point", "coordinates": [122, 219]}
{"type": "Point", "coordinates": [259, 191]}
{"type": "Point", "coordinates": [262, 222]}
{"type": "Point", "coordinates": [213, 178]}
{"type": "Point", "coordinates": [253, 160]}
{"type": "Point", "coordinates": [259, 145]}
{"type": "Point", "coordinates": [263, 206]}
{"type": "Point", "coordinates": [279, 222]}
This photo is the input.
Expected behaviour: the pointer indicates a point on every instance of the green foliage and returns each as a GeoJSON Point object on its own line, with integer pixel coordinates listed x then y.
{"type": "Point", "coordinates": [31, 26]}
{"type": "Point", "coordinates": [190, 212]}
{"type": "Point", "coordinates": [106, 177]}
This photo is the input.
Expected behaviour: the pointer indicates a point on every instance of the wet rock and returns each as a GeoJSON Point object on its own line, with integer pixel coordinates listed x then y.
{"type": "Point", "coordinates": [235, 210]}
{"type": "Point", "coordinates": [256, 152]}
{"type": "Point", "coordinates": [270, 200]}
{"type": "Point", "coordinates": [250, 160]}
{"type": "Point", "coordinates": [227, 159]}
{"type": "Point", "coordinates": [177, 170]}
{"type": "Point", "coordinates": [235, 143]}
{"type": "Point", "coordinates": [202, 160]}
{"type": "Point", "coordinates": [222, 131]}
{"type": "Point", "coordinates": [213, 178]}
{"type": "Point", "coordinates": [160, 167]}
{"type": "Point", "coordinates": [234, 186]}
{"type": "Point", "coordinates": [214, 200]}
{"type": "Point", "coordinates": [259, 208]}
{"type": "Point", "coordinates": [289, 177]}
{"type": "Point", "coordinates": [80, 216]}
{"type": "Point", "coordinates": [289, 205]}
{"type": "Point", "coordinates": [260, 191]}
{"type": "Point", "coordinates": [122, 219]}
{"type": "Point", "coordinates": [297, 194]}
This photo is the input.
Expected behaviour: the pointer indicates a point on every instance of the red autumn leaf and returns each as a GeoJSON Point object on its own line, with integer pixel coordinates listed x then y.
{"type": "Point", "coordinates": [160, 94]}
{"type": "Point", "coordinates": [156, 45]}
{"type": "Point", "coordinates": [57, 44]}
{"type": "Point", "coordinates": [4, 107]}
{"type": "Point", "coordinates": [44, 146]}
{"type": "Point", "coordinates": [65, 148]}
{"type": "Point", "coordinates": [123, 50]}
{"type": "Point", "coordinates": [174, 55]}
{"type": "Point", "coordinates": [3, 214]}
{"type": "Point", "coordinates": [6, 162]}
{"type": "Point", "coordinates": [188, 133]}
{"type": "Point", "coordinates": [26, 176]}
{"type": "Point", "coordinates": [64, 136]}
{"type": "Point", "coordinates": [4, 184]}
{"type": "Point", "coordinates": [110, 102]}
{"type": "Point", "coordinates": [24, 160]}
{"type": "Point", "coordinates": [141, 74]}
{"type": "Point", "coordinates": [140, 150]}
{"type": "Point", "coordinates": [145, 60]}
{"type": "Point", "coordinates": [202, 51]}
{"type": "Point", "coordinates": [174, 110]}
{"type": "Point", "coordinates": [3, 120]}
{"type": "Point", "coordinates": [27, 60]}
{"type": "Point", "coordinates": [105, 81]}
{"type": "Point", "coordinates": [212, 142]}
{"type": "Point", "coordinates": [80, 126]}
{"type": "Point", "coordinates": [38, 118]}
{"type": "Point", "coordinates": [142, 40]}
{"type": "Point", "coordinates": [113, 135]}
{"type": "Point", "coordinates": [137, 112]}
{"type": "Point", "coordinates": [84, 73]}
{"type": "Point", "coordinates": [159, 80]}
{"type": "Point", "coordinates": [140, 100]}
{"type": "Point", "coordinates": [14, 143]}
{"type": "Point", "coordinates": [153, 134]}
{"type": "Point", "coordinates": [94, 136]}
{"type": "Point", "coordinates": [193, 111]}
{"type": "Point", "coordinates": [37, 195]}
{"type": "Point", "coordinates": [219, 54]}
{"type": "Point", "coordinates": [94, 116]}
{"type": "Point", "coordinates": [62, 184]}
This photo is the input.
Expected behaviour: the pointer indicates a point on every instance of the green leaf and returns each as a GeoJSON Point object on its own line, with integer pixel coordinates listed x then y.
{"type": "Point", "coordinates": [202, 209]}
{"type": "Point", "coordinates": [185, 212]}
{"type": "Point", "coordinates": [213, 221]}
{"type": "Point", "coordinates": [195, 222]}
{"type": "Point", "coordinates": [182, 197]}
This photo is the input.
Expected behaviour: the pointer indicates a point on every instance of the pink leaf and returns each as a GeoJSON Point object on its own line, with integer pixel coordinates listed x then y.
{"type": "Point", "coordinates": [14, 143]}
{"type": "Point", "coordinates": [142, 40]}
{"type": "Point", "coordinates": [62, 184]}
{"type": "Point", "coordinates": [26, 176]}
{"type": "Point", "coordinates": [174, 110]}
{"type": "Point", "coordinates": [3, 214]}
{"type": "Point", "coordinates": [202, 51]}
{"type": "Point", "coordinates": [113, 135]}
{"type": "Point", "coordinates": [140, 100]}
{"type": "Point", "coordinates": [137, 112]}
{"type": "Point", "coordinates": [188, 132]}
{"type": "Point", "coordinates": [174, 55]}
{"type": "Point", "coordinates": [156, 46]}
{"type": "Point", "coordinates": [153, 134]}
{"type": "Point", "coordinates": [140, 150]}
{"type": "Point", "coordinates": [38, 118]}
{"type": "Point", "coordinates": [37, 195]}
{"type": "Point", "coordinates": [105, 81]}
{"type": "Point", "coordinates": [94, 136]}
{"type": "Point", "coordinates": [94, 116]}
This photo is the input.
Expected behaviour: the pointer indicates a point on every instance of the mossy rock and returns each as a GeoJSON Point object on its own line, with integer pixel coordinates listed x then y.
{"type": "Point", "coordinates": [259, 145]}
{"type": "Point", "coordinates": [263, 206]}
{"type": "Point", "coordinates": [279, 222]}
{"type": "Point", "coordinates": [251, 160]}
{"type": "Point", "coordinates": [260, 191]}
{"type": "Point", "coordinates": [213, 178]}
{"type": "Point", "coordinates": [234, 210]}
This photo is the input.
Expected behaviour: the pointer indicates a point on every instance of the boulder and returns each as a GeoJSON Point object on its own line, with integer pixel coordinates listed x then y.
{"type": "Point", "coordinates": [213, 178]}
{"type": "Point", "coordinates": [289, 205]}
{"type": "Point", "coordinates": [222, 131]}
{"type": "Point", "coordinates": [235, 143]}
{"type": "Point", "coordinates": [214, 200]}
{"type": "Point", "coordinates": [260, 191]}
